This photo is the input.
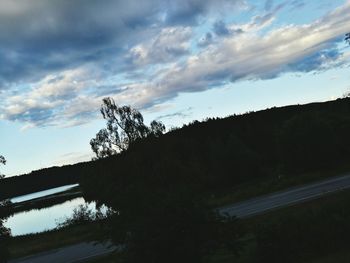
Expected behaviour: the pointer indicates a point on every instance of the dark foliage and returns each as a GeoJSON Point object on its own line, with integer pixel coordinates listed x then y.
{"type": "Point", "coordinates": [2, 161]}
{"type": "Point", "coordinates": [4, 234]}
{"type": "Point", "coordinates": [172, 229]}
{"type": "Point", "coordinates": [299, 237]}
{"type": "Point", "coordinates": [4, 238]}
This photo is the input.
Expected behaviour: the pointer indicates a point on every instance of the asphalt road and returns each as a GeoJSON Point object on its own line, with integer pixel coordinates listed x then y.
{"type": "Point", "coordinates": [84, 251]}
{"type": "Point", "coordinates": [76, 253]}
{"type": "Point", "coordinates": [287, 197]}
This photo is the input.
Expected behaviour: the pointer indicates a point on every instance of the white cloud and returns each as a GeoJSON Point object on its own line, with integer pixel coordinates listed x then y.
{"type": "Point", "coordinates": [72, 158]}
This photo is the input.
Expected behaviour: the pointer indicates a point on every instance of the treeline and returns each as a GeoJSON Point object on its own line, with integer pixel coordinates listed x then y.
{"type": "Point", "coordinates": [219, 153]}
{"type": "Point", "coordinates": [40, 180]}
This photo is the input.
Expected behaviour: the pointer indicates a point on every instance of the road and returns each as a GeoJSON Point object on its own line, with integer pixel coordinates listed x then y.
{"type": "Point", "coordinates": [287, 197]}
{"type": "Point", "coordinates": [76, 253]}
{"type": "Point", "coordinates": [84, 251]}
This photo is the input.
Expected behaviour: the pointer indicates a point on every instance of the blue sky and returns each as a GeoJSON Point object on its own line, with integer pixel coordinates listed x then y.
{"type": "Point", "coordinates": [175, 61]}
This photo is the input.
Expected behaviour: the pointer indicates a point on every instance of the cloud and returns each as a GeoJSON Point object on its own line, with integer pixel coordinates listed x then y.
{"type": "Point", "coordinates": [250, 56]}
{"type": "Point", "coordinates": [220, 28]}
{"type": "Point", "coordinates": [66, 56]}
{"type": "Point", "coordinates": [56, 35]}
{"type": "Point", "coordinates": [206, 40]}
{"type": "Point", "coordinates": [170, 44]}
{"type": "Point", "coordinates": [188, 11]}
{"type": "Point", "coordinates": [179, 114]}
{"type": "Point", "coordinates": [72, 158]}
{"type": "Point", "coordinates": [46, 99]}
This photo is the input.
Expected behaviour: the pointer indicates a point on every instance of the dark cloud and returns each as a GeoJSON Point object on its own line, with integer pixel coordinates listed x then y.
{"type": "Point", "coordinates": [44, 36]}
{"type": "Point", "coordinates": [37, 115]}
{"type": "Point", "coordinates": [220, 28]}
{"type": "Point", "coordinates": [206, 40]}
{"type": "Point", "coordinates": [106, 90]}
{"type": "Point", "coordinates": [187, 12]}
{"type": "Point", "coordinates": [316, 60]}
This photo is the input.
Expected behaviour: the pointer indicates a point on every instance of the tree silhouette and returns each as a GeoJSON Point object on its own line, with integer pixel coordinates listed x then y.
{"type": "Point", "coordinates": [4, 232]}
{"type": "Point", "coordinates": [124, 127]}
{"type": "Point", "coordinates": [4, 237]}
{"type": "Point", "coordinates": [2, 161]}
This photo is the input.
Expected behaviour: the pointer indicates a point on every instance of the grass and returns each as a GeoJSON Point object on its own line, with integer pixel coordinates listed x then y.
{"type": "Point", "coordinates": [271, 184]}
{"type": "Point", "coordinates": [339, 257]}
{"type": "Point", "coordinates": [323, 203]}
{"type": "Point", "coordinates": [22, 246]}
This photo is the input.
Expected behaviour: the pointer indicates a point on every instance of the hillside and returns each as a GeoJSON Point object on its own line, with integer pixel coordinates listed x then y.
{"type": "Point", "coordinates": [221, 153]}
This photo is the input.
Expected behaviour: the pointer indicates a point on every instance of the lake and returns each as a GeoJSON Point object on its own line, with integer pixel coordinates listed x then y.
{"type": "Point", "coordinates": [39, 220]}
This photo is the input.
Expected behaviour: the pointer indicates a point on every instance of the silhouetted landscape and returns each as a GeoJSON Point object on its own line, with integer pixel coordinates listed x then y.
{"type": "Point", "coordinates": [174, 131]}
{"type": "Point", "coordinates": [175, 187]}
{"type": "Point", "coordinates": [230, 151]}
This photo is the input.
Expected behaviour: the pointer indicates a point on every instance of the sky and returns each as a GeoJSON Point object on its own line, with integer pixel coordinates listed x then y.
{"type": "Point", "coordinates": [175, 61]}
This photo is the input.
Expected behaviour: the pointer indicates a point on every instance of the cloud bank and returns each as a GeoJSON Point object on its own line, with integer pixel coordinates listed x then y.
{"type": "Point", "coordinates": [67, 55]}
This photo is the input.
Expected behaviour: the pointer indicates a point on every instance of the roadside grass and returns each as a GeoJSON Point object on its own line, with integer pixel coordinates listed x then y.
{"type": "Point", "coordinates": [22, 246]}
{"type": "Point", "coordinates": [323, 204]}
{"type": "Point", "coordinates": [339, 257]}
{"type": "Point", "coordinates": [271, 184]}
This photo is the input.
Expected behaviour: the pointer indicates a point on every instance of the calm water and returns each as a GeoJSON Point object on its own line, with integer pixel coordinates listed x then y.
{"type": "Point", "coordinates": [35, 220]}
{"type": "Point", "coordinates": [51, 191]}
{"type": "Point", "coordinates": [39, 220]}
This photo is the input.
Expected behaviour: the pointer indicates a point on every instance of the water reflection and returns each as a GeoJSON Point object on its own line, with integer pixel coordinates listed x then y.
{"type": "Point", "coordinates": [51, 191]}
{"type": "Point", "coordinates": [39, 220]}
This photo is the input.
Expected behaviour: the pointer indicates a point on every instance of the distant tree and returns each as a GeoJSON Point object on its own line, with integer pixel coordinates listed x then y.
{"type": "Point", "coordinates": [4, 232]}
{"type": "Point", "coordinates": [124, 127]}
{"type": "Point", "coordinates": [2, 161]}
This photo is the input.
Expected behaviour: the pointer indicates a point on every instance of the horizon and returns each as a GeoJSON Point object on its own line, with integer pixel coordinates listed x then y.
{"type": "Point", "coordinates": [175, 62]}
